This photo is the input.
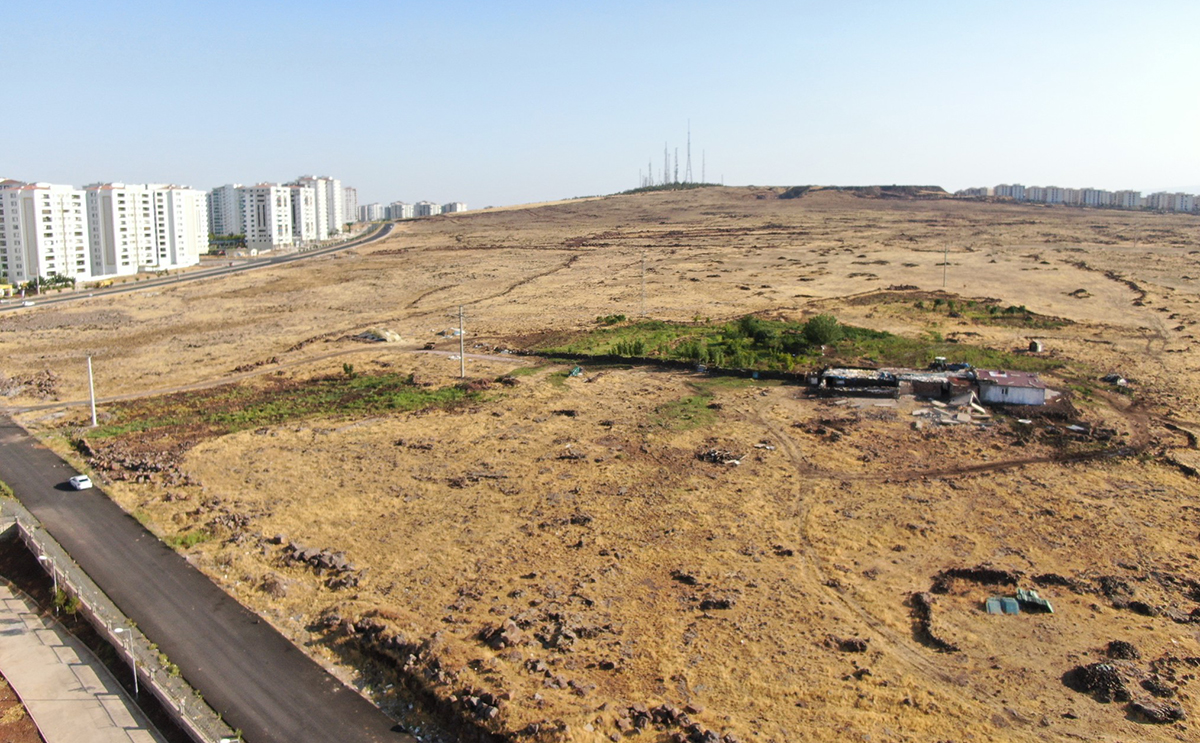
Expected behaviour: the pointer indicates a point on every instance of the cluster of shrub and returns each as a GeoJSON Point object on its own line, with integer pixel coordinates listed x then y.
{"type": "Point", "coordinates": [745, 343]}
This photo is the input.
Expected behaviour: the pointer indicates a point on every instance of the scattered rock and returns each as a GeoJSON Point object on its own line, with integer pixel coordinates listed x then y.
{"type": "Point", "coordinates": [1101, 680]}
{"type": "Point", "coordinates": [1158, 713]}
{"type": "Point", "coordinates": [507, 635]}
{"type": "Point", "coordinates": [1122, 650]}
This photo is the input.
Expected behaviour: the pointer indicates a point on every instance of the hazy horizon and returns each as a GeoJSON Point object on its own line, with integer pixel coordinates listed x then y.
{"type": "Point", "coordinates": [525, 102]}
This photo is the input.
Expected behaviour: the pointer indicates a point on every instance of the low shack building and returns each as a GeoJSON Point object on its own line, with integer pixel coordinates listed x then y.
{"type": "Point", "coordinates": [858, 381]}
{"type": "Point", "coordinates": [1001, 387]}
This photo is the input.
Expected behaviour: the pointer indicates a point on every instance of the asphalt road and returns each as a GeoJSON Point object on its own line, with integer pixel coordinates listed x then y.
{"type": "Point", "coordinates": [204, 273]}
{"type": "Point", "coordinates": [259, 681]}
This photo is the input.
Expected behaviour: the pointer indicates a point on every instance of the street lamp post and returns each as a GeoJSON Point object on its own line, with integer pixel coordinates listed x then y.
{"type": "Point", "coordinates": [129, 649]}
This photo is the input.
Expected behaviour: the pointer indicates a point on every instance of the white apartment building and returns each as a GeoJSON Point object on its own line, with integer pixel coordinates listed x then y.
{"type": "Point", "coordinates": [321, 194]}
{"type": "Point", "coordinates": [1035, 193]}
{"type": "Point", "coordinates": [120, 228]}
{"type": "Point", "coordinates": [225, 210]}
{"type": "Point", "coordinates": [304, 215]}
{"type": "Point", "coordinates": [351, 202]}
{"type": "Point", "coordinates": [1127, 199]}
{"type": "Point", "coordinates": [1014, 191]}
{"type": "Point", "coordinates": [331, 203]}
{"type": "Point", "coordinates": [372, 212]}
{"type": "Point", "coordinates": [335, 205]}
{"type": "Point", "coordinates": [267, 212]}
{"type": "Point", "coordinates": [43, 232]}
{"type": "Point", "coordinates": [1097, 197]}
{"type": "Point", "coordinates": [180, 226]}
{"type": "Point", "coordinates": [139, 227]}
{"type": "Point", "coordinates": [453, 206]}
{"type": "Point", "coordinates": [403, 210]}
{"type": "Point", "coordinates": [426, 209]}
{"type": "Point", "coordinates": [1056, 195]}
{"type": "Point", "coordinates": [1171, 202]}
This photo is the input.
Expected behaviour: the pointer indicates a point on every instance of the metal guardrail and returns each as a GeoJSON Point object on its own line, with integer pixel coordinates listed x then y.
{"type": "Point", "coordinates": [150, 668]}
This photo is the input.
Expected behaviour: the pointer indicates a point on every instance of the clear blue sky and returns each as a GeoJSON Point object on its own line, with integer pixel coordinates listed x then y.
{"type": "Point", "coordinates": [509, 102]}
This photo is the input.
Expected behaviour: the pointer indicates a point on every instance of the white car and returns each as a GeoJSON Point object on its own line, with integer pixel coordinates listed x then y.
{"type": "Point", "coordinates": [80, 482]}
{"type": "Point", "coordinates": [27, 303]}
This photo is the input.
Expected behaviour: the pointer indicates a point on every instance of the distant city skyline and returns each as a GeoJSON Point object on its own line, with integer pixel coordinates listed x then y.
{"type": "Point", "coordinates": [529, 101]}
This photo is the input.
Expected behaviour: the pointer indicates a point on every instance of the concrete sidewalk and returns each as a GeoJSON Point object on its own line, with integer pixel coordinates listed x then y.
{"type": "Point", "coordinates": [69, 694]}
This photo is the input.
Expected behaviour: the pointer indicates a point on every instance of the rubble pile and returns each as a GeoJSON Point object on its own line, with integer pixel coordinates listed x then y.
{"type": "Point", "coordinates": [1121, 650]}
{"type": "Point", "coordinates": [1158, 713]}
{"type": "Point", "coordinates": [1101, 680]}
{"type": "Point", "coordinates": [341, 572]}
{"type": "Point", "coordinates": [665, 717]}
{"type": "Point", "coordinates": [718, 456]}
{"type": "Point", "coordinates": [42, 385]}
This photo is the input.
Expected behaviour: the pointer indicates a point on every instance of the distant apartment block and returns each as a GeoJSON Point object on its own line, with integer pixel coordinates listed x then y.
{"type": "Point", "coordinates": [372, 212]}
{"type": "Point", "coordinates": [225, 210]}
{"type": "Point", "coordinates": [304, 215]}
{"type": "Point", "coordinates": [400, 210]}
{"type": "Point", "coordinates": [180, 226]}
{"type": "Point", "coordinates": [145, 227]}
{"type": "Point", "coordinates": [351, 201]}
{"type": "Point", "coordinates": [321, 200]}
{"type": "Point", "coordinates": [43, 232]}
{"type": "Point", "coordinates": [453, 206]}
{"type": "Point", "coordinates": [1091, 197]}
{"type": "Point", "coordinates": [426, 209]}
{"type": "Point", "coordinates": [267, 211]}
{"type": "Point", "coordinates": [1006, 191]}
{"type": "Point", "coordinates": [120, 228]}
{"type": "Point", "coordinates": [1127, 199]}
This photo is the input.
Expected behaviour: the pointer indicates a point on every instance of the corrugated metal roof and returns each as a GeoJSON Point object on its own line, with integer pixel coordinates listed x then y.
{"type": "Point", "coordinates": [1009, 378]}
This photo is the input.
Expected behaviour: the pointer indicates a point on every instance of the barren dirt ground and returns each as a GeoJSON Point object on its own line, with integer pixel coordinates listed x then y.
{"type": "Point", "coordinates": [553, 557]}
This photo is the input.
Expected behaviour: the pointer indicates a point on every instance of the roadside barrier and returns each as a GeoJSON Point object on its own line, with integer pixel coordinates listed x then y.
{"type": "Point", "coordinates": [151, 669]}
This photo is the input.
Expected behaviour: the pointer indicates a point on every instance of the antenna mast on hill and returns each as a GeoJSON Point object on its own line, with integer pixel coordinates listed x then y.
{"type": "Point", "coordinates": [676, 179]}
{"type": "Point", "coordinates": [666, 164]}
{"type": "Point", "coordinates": [687, 173]}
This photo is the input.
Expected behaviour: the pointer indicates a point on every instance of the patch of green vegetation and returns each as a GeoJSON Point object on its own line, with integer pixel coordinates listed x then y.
{"type": "Point", "coordinates": [65, 602]}
{"type": "Point", "coordinates": [755, 343]}
{"type": "Point", "coordinates": [143, 518]}
{"type": "Point", "coordinates": [5, 490]}
{"type": "Point", "coordinates": [233, 408]}
{"type": "Point", "coordinates": [988, 313]}
{"type": "Point", "coordinates": [611, 319]}
{"type": "Point", "coordinates": [686, 413]}
{"type": "Point", "coordinates": [668, 187]}
{"type": "Point", "coordinates": [187, 540]}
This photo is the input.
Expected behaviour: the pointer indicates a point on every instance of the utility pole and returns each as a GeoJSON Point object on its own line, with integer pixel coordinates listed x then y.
{"type": "Point", "coordinates": [687, 172]}
{"type": "Point", "coordinates": [462, 346]}
{"type": "Point", "coordinates": [92, 390]}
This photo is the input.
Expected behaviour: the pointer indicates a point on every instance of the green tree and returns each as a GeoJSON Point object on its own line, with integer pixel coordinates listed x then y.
{"type": "Point", "coordinates": [822, 330]}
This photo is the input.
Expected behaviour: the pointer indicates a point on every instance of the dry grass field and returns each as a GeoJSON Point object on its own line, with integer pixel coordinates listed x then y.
{"type": "Point", "coordinates": [547, 558]}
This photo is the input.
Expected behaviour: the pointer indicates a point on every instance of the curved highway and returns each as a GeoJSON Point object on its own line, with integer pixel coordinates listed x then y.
{"type": "Point", "coordinates": [376, 234]}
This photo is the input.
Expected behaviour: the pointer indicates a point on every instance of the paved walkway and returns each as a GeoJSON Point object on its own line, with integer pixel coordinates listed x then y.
{"type": "Point", "coordinates": [70, 696]}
